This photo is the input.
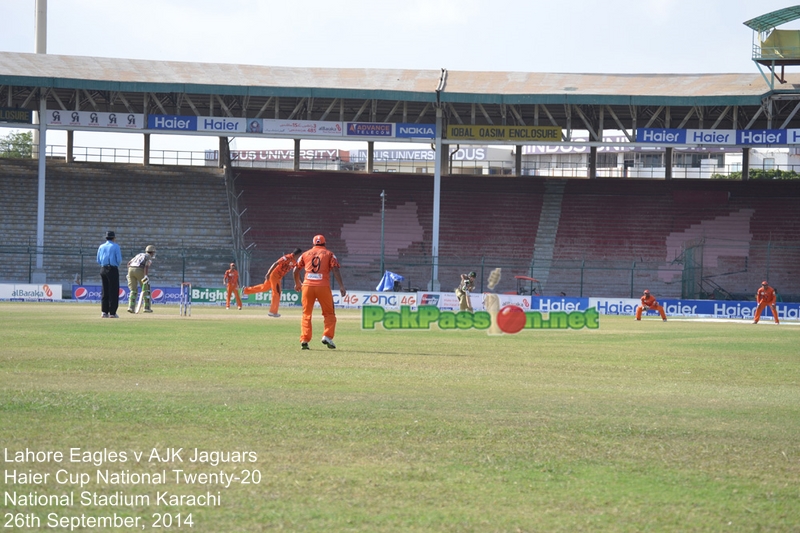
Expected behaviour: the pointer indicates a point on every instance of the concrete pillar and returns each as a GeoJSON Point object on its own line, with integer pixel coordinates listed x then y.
{"type": "Point", "coordinates": [668, 163]}
{"type": "Point", "coordinates": [745, 164]}
{"type": "Point", "coordinates": [146, 156]}
{"type": "Point", "coordinates": [296, 154]}
{"type": "Point", "coordinates": [593, 162]}
{"type": "Point", "coordinates": [518, 160]}
{"type": "Point", "coordinates": [70, 146]}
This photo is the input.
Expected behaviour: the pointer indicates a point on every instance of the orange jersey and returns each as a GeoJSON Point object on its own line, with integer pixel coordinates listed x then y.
{"type": "Point", "coordinates": [317, 264]}
{"type": "Point", "coordinates": [231, 277]}
{"type": "Point", "coordinates": [766, 295]}
{"type": "Point", "coordinates": [649, 300]}
{"type": "Point", "coordinates": [284, 265]}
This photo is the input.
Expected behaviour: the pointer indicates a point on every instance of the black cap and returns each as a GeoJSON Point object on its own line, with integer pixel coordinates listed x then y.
{"type": "Point", "coordinates": [110, 235]}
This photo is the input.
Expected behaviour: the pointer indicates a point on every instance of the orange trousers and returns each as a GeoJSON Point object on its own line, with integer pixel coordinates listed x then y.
{"type": "Point", "coordinates": [658, 308]}
{"type": "Point", "coordinates": [232, 289]}
{"type": "Point", "coordinates": [274, 283]}
{"type": "Point", "coordinates": [760, 309]}
{"type": "Point", "coordinates": [324, 296]}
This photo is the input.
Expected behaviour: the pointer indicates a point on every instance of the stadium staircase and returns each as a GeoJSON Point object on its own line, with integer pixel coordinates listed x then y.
{"type": "Point", "coordinates": [546, 233]}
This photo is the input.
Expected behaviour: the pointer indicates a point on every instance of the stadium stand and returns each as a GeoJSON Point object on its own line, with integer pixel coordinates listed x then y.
{"type": "Point", "coordinates": [605, 237]}
{"type": "Point", "coordinates": [182, 210]}
{"type": "Point", "coordinates": [480, 219]}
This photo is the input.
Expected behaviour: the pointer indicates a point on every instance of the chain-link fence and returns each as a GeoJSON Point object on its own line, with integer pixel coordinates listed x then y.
{"type": "Point", "coordinates": [704, 268]}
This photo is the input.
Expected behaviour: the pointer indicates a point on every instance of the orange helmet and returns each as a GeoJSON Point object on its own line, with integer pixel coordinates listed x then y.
{"type": "Point", "coordinates": [646, 291]}
{"type": "Point", "coordinates": [319, 240]}
{"type": "Point", "coordinates": [764, 283]}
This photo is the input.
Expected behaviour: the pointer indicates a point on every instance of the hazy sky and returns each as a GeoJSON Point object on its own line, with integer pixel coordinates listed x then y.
{"type": "Point", "coordinates": [576, 36]}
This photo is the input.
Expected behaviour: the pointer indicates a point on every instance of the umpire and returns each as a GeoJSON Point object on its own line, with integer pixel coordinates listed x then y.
{"type": "Point", "coordinates": [109, 257]}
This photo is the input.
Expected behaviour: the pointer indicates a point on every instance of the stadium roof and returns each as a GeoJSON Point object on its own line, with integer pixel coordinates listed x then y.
{"type": "Point", "coordinates": [571, 101]}
{"type": "Point", "coordinates": [96, 73]}
{"type": "Point", "coordinates": [774, 19]}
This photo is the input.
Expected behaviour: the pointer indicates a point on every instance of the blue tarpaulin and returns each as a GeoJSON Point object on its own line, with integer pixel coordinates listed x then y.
{"type": "Point", "coordinates": [388, 280]}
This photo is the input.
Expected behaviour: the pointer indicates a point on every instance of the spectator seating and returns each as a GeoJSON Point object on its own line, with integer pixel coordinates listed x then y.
{"type": "Point", "coordinates": [179, 209]}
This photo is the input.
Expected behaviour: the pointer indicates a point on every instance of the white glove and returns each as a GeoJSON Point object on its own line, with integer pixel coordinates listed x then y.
{"type": "Point", "coordinates": [145, 280]}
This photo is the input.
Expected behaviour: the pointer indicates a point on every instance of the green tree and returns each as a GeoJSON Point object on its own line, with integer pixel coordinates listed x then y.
{"type": "Point", "coordinates": [760, 174]}
{"type": "Point", "coordinates": [17, 145]}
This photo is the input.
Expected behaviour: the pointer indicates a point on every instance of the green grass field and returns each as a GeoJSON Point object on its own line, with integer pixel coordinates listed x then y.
{"type": "Point", "coordinates": [650, 426]}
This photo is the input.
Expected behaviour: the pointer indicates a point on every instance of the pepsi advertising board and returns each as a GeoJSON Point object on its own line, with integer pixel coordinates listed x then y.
{"type": "Point", "coordinates": [158, 295]}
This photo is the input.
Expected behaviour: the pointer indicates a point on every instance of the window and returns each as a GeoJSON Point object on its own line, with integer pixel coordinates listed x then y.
{"type": "Point", "coordinates": [606, 160]}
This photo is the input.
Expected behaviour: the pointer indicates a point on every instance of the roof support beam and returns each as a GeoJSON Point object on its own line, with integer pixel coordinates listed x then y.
{"type": "Point", "coordinates": [453, 111]}
{"type": "Point", "coordinates": [654, 117]}
{"type": "Point", "coordinates": [485, 114]}
{"type": "Point", "coordinates": [297, 108]}
{"type": "Point", "coordinates": [393, 110]}
{"type": "Point", "coordinates": [329, 109]}
{"type": "Point", "coordinates": [191, 104]}
{"type": "Point", "coordinates": [790, 117]}
{"type": "Point", "coordinates": [517, 115]}
{"type": "Point", "coordinates": [721, 116]}
{"type": "Point", "coordinates": [589, 128]}
{"type": "Point", "coordinates": [619, 124]}
{"type": "Point", "coordinates": [361, 110]}
{"type": "Point", "coordinates": [224, 107]}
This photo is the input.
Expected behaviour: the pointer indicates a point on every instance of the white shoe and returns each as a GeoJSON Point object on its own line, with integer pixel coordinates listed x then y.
{"type": "Point", "coordinates": [327, 341]}
{"type": "Point", "coordinates": [104, 315]}
{"type": "Point", "coordinates": [274, 315]}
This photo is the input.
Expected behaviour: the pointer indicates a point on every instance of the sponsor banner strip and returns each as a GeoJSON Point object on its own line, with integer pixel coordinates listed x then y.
{"type": "Point", "coordinates": [520, 134]}
{"type": "Point", "coordinates": [30, 292]}
{"type": "Point", "coordinates": [95, 119]}
{"type": "Point", "coordinates": [666, 136]}
{"type": "Point", "coordinates": [445, 301]}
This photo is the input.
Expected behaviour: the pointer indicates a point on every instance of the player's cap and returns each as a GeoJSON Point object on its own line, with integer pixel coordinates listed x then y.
{"type": "Point", "coordinates": [646, 291]}
{"type": "Point", "coordinates": [233, 265]}
{"type": "Point", "coordinates": [319, 240]}
{"type": "Point", "coordinates": [110, 235]}
{"type": "Point", "coordinates": [150, 248]}
{"type": "Point", "coordinates": [473, 274]}
{"type": "Point", "coordinates": [764, 283]}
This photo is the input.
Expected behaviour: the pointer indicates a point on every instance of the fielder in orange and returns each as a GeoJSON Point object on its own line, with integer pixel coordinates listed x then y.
{"type": "Point", "coordinates": [318, 263]}
{"type": "Point", "coordinates": [766, 297]}
{"type": "Point", "coordinates": [272, 280]}
{"type": "Point", "coordinates": [649, 302]}
{"type": "Point", "coordinates": [231, 281]}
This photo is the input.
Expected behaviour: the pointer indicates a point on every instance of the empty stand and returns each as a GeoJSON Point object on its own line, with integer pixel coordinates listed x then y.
{"type": "Point", "coordinates": [181, 210]}
{"type": "Point", "coordinates": [608, 237]}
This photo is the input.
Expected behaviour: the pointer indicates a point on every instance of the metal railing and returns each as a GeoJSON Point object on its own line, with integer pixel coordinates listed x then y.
{"type": "Point", "coordinates": [746, 264]}
{"type": "Point", "coordinates": [558, 169]}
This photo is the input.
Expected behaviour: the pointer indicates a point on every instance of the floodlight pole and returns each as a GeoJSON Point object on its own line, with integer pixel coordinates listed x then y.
{"type": "Point", "coordinates": [383, 225]}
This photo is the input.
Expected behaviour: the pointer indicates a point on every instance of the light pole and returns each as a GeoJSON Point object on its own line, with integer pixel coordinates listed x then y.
{"type": "Point", "coordinates": [383, 221]}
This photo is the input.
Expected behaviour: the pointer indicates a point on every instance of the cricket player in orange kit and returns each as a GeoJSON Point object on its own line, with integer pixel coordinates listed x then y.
{"type": "Point", "coordinates": [765, 296]}
{"type": "Point", "coordinates": [318, 263]}
{"type": "Point", "coordinates": [272, 280]}
{"type": "Point", "coordinates": [649, 302]}
{"type": "Point", "coordinates": [231, 281]}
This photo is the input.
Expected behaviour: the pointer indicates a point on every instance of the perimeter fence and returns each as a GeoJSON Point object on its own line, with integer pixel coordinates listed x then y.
{"type": "Point", "coordinates": [702, 268]}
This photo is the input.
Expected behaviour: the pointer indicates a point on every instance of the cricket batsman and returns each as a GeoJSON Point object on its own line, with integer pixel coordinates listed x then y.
{"type": "Point", "coordinates": [273, 279]}
{"type": "Point", "coordinates": [138, 268]}
{"type": "Point", "coordinates": [231, 281]}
